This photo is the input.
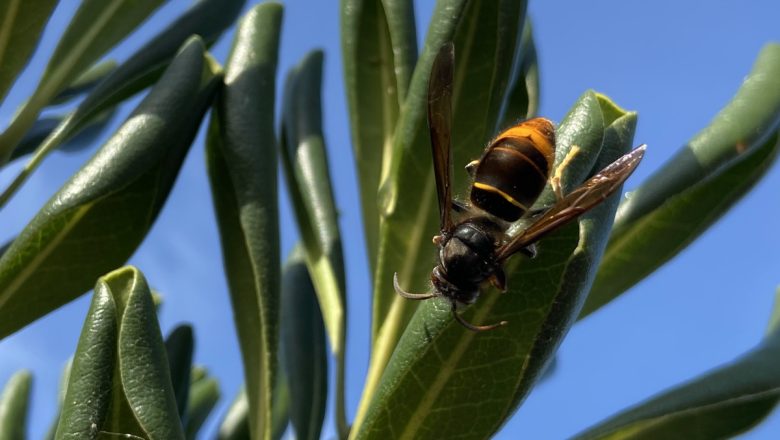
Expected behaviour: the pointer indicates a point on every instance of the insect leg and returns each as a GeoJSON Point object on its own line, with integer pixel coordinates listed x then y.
{"type": "Point", "coordinates": [407, 295]}
{"type": "Point", "coordinates": [471, 167]}
{"type": "Point", "coordinates": [555, 180]}
{"type": "Point", "coordinates": [470, 326]}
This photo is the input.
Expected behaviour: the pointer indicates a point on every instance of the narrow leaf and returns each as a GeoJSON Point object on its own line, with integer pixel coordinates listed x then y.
{"type": "Point", "coordinates": [85, 82]}
{"type": "Point", "coordinates": [89, 388]}
{"type": "Point", "coordinates": [143, 366]}
{"type": "Point", "coordinates": [98, 218]}
{"type": "Point", "coordinates": [306, 168]}
{"type": "Point", "coordinates": [120, 382]}
{"type": "Point", "coordinates": [21, 25]}
{"type": "Point", "coordinates": [241, 151]}
{"type": "Point", "coordinates": [378, 39]}
{"type": "Point", "coordinates": [64, 378]}
{"type": "Point", "coordinates": [281, 409]}
{"type": "Point", "coordinates": [44, 127]}
{"type": "Point", "coordinates": [303, 335]}
{"type": "Point", "coordinates": [206, 18]}
{"type": "Point", "coordinates": [720, 404]}
{"type": "Point", "coordinates": [95, 28]}
{"type": "Point", "coordinates": [485, 36]}
{"type": "Point", "coordinates": [235, 425]}
{"type": "Point", "coordinates": [695, 187]}
{"type": "Point", "coordinates": [179, 346]}
{"type": "Point", "coordinates": [14, 404]}
{"type": "Point", "coordinates": [441, 372]}
{"type": "Point", "coordinates": [522, 100]}
{"type": "Point", "coordinates": [203, 397]}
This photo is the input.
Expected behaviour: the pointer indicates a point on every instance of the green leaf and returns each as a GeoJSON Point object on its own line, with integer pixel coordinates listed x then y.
{"type": "Point", "coordinates": [235, 425]}
{"type": "Point", "coordinates": [696, 186]}
{"type": "Point", "coordinates": [379, 42]}
{"type": "Point", "coordinates": [21, 25]}
{"type": "Point", "coordinates": [203, 397]}
{"type": "Point", "coordinates": [308, 180]}
{"type": "Point", "coordinates": [485, 36]}
{"type": "Point", "coordinates": [44, 127]}
{"type": "Point", "coordinates": [85, 82]}
{"type": "Point", "coordinates": [14, 403]}
{"type": "Point", "coordinates": [441, 372]}
{"type": "Point", "coordinates": [98, 218]}
{"type": "Point", "coordinates": [120, 381]}
{"type": "Point", "coordinates": [281, 409]}
{"type": "Point", "coordinates": [64, 378]}
{"type": "Point", "coordinates": [179, 346]}
{"type": "Point", "coordinates": [522, 99]}
{"type": "Point", "coordinates": [720, 404]}
{"type": "Point", "coordinates": [241, 155]}
{"type": "Point", "coordinates": [303, 339]}
{"type": "Point", "coordinates": [206, 18]}
{"type": "Point", "coordinates": [95, 28]}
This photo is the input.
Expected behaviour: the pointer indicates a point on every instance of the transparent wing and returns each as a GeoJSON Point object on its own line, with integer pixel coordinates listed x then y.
{"type": "Point", "coordinates": [586, 196]}
{"type": "Point", "coordinates": [440, 125]}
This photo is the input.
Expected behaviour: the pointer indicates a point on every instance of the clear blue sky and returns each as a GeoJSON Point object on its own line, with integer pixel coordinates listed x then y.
{"type": "Point", "coordinates": [676, 63]}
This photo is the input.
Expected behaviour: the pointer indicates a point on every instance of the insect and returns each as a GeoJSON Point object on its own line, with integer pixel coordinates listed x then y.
{"type": "Point", "coordinates": [507, 179]}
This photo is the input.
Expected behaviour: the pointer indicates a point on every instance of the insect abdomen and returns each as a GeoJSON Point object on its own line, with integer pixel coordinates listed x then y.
{"type": "Point", "coordinates": [514, 169]}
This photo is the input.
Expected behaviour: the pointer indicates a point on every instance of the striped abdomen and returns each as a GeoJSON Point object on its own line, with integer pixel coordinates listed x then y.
{"type": "Point", "coordinates": [514, 169]}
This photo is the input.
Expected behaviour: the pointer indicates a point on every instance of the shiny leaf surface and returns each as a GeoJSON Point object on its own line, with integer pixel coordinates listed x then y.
{"type": "Point", "coordinates": [441, 373]}
{"type": "Point", "coordinates": [485, 36]}
{"type": "Point", "coordinates": [380, 48]}
{"type": "Point", "coordinates": [95, 28]}
{"type": "Point", "coordinates": [305, 162]}
{"type": "Point", "coordinates": [120, 381]}
{"type": "Point", "coordinates": [206, 18]}
{"type": "Point", "coordinates": [98, 218]}
{"type": "Point", "coordinates": [241, 156]}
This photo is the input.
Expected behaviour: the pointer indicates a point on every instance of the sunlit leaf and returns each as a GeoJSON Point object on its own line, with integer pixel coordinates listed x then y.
{"type": "Point", "coordinates": [380, 49]}
{"type": "Point", "coordinates": [308, 179]}
{"type": "Point", "coordinates": [485, 36]}
{"type": "Point", "coordinates": [206, 18]}
{"type": "Point", "coordinates": [696, 186]}
{"type": "Point", "coordinates": [450, 381]}
{"type": "Point", "coordinates": [720, 404]}
{"type": "Point", "coordinates": [97, 219]}
{"type": "Point", "coordinates": [21, 25]}
{"type": "Point", "coordinates": [120, 381]}
{"type": "Point", "coordinates": [241, 155]}
{"type": "Point", "coordinates": [94, 29]}
{"type": "Point", "coordinates": [85, 82]}
{"type": "Point", "coordinates": [14, 406]}
{"type": "Point", "coordinates": [522, 99]}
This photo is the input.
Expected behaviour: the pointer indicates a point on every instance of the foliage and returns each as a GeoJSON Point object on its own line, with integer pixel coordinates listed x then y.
{"type": "Point", "coordinates": [427, 373]}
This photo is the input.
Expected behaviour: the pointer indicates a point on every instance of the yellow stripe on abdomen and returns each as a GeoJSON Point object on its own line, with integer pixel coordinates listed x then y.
{"type": "Point", "coordinates": [507, 197]}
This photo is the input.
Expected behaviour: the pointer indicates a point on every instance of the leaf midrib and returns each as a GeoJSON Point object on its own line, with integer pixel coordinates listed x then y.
{"type": "Point", "coordinates": [44, 253]}
{"type": "Point", "coordinates": [7, 27]}
{"type": "Point", "coordinates": [79, 49]}
{"type": "Point", "coordinates": [651, 421]}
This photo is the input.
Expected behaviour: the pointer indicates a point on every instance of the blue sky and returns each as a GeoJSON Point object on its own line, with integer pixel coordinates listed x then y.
{"type": "Point", "coordinates": [676, 63]}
